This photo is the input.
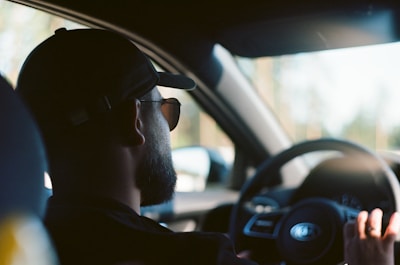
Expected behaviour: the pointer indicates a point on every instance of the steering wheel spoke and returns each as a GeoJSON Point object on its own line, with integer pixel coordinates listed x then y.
{"type": "Point", "coordinates": [264, 225]}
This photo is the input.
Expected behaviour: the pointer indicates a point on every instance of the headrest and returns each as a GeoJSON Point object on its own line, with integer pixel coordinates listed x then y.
{"type": "Point", "coordinates": [22, 157]}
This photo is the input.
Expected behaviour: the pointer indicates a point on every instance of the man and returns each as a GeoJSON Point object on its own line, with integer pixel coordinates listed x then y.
{"type": "Point", "coordinates": [106, 129]}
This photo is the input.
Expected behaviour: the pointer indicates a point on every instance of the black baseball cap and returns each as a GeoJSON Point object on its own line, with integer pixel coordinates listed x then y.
{"type": "Point", "coordinates": [76, 73]}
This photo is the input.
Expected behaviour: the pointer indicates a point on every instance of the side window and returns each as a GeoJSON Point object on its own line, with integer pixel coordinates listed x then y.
{"type": "Point", "coordinates": [21, 29]}
{"type": "Point", "coordinates": [202, 152]}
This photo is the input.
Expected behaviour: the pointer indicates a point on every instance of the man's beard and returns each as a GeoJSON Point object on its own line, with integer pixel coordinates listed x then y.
{"type": "Point", "coordinates": [156, 176]}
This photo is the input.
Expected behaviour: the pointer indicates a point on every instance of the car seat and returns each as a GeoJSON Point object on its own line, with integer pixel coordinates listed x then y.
{"type": "Point", "coordinates": [23, 238]}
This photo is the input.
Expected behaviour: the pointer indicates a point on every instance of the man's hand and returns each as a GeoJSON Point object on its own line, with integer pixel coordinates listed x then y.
{"type": "Point", "coordinates": [364, 243]}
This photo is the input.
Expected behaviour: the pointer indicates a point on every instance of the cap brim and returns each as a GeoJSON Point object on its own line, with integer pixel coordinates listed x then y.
{"type": "Point", "coordinates": [176, 81]}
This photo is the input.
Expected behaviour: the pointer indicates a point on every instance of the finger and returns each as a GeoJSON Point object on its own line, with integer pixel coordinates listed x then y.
{"type": "Point", "coordinates": [393, 228]}
{"type": "Point", "coordinates": [360, 224]}
{"type": "Point", "coordinates": [374, 223]}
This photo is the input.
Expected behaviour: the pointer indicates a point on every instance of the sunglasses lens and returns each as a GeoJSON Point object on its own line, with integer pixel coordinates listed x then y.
{"type": "Point", "coordinates": [171, 111]}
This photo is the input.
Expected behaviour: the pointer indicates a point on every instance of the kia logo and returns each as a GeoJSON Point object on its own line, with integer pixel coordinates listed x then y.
{"type": "Point", "coordinates": [305, 231]}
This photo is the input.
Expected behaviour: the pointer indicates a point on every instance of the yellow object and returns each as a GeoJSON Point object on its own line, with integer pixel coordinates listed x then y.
{"type": "Point", "coordinates": [24, 241]}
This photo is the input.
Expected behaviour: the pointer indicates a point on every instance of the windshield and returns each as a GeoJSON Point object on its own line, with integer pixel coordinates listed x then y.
{"type": "Point", "coordinates": [348, 93]}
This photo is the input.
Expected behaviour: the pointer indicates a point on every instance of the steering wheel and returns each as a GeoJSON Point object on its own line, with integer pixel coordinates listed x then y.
{"type": "Point", "coordinates": [307, 230]}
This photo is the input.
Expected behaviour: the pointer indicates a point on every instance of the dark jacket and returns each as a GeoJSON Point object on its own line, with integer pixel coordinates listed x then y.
{"type": "Point", "coordinates": [101, 231]}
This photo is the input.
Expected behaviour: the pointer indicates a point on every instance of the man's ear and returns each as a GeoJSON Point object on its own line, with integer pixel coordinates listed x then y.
{"type": "Point", "coordinates": [137, 123]}
{"type": "Point", "coordinates": [130, 124]}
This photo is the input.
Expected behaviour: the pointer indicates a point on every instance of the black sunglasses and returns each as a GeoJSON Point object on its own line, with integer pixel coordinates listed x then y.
{"type": "Point", "coordinates": [170, 108]}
